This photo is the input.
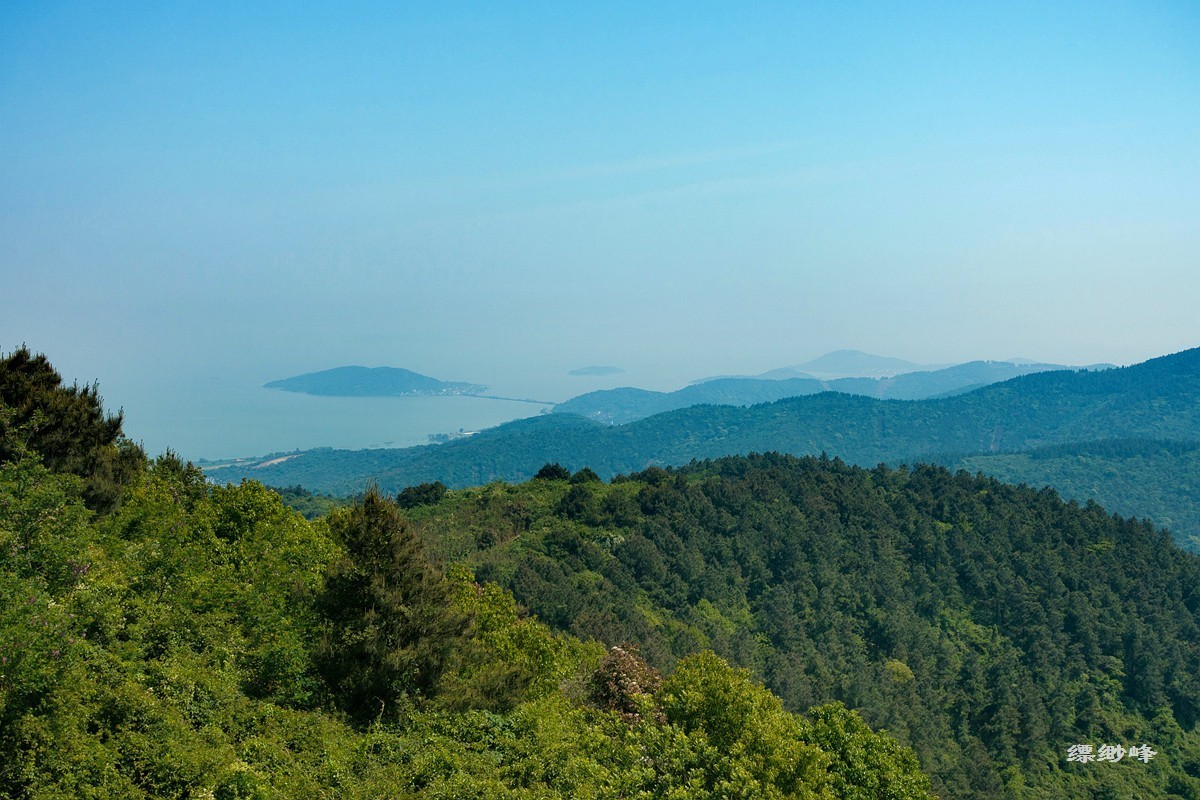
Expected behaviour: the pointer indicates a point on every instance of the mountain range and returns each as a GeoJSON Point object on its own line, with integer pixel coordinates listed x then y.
{"type": "Point", "coordinates": [618, 406]}
{"type": "Point", "coordinates": [846, 364]}
{"type": "Point", "coordinates": [1156, 400]}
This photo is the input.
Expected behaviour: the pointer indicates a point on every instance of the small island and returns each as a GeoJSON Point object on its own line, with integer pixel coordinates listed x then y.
{"type": "Point", "coordinates": [372, 382]}
{"type": "Point", "coordinates": [596, 370]}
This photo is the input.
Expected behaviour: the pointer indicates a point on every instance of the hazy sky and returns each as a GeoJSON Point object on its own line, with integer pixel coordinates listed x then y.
{"type": "Point", "coordinates": [501, 192]}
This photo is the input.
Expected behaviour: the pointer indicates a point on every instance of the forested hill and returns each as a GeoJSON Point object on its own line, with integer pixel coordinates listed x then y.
{"type": "Point", "coordinates": [1143, 478]}
{"type": "Point", "coordinates": [182, 639]}
{"type": "Point", "coordinates": [187, 640]}
{"type": "Point", "coordinates": [1157, 399]}
{"type": "Point", "coordinates": [988, 626]}
{"type": "Point", "coordinates": [626, 405]}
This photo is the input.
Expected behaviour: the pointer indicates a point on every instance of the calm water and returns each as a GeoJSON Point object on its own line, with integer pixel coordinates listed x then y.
{"type": "Point", "coordinates": [225, 421]}
{"type": "Point", "coordinates": [221, 410]}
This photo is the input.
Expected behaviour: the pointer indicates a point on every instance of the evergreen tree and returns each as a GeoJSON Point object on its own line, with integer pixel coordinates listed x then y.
{"type": "Point", "coordinates": [390, 625]}
{"type": "Point", "coordinates": [425, 494]}
{"type": "Point", "coordinates": [553, 472]}
{"type": "Point", "coordinates": [66, 426]}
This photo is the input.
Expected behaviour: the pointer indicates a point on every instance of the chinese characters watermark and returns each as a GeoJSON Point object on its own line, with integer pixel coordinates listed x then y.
{"type": "Point", "coordinates": [1086, 754]}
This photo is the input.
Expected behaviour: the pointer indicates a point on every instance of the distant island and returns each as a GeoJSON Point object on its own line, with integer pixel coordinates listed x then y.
{"type": "Point", "coordinates": [596, 371]}
{"type": "Point", "coordinates": [372, 382]}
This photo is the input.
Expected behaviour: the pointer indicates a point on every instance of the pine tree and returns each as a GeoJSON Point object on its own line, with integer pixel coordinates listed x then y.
{"type": "Point", "coordinates": [66, 426]}
{"type": "Point", "coordinates": [389, 623]}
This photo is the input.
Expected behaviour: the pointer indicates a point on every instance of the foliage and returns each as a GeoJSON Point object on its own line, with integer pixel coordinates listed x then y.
{"type": "Point", "coordinates": [1154, 479]}
{"type": "Point", "coordinates": [65, 426]}
{"type": "Point", "coordinates": [505, 658]}
{"type": "Point", "coordinates": [390, 627]}
{"type": "Point", "coordinates": [585, 475]}
{"type": "Point", "coordinates": [311, 504]}
{"type": "Point", "coordinates": [743, 723]}
{"type": "Point", "coordinates": [553, 472]}
{"type": "Point", "coordinates": [866, 765]}
{"type": "Point", "coordinates": [987, 626]}
{"type": "Point", "coordinates": [175, 649]}
{"type": "Point", "coordinates": [425, 494]}
{"type": "Point", "coordinates": [208, 641]}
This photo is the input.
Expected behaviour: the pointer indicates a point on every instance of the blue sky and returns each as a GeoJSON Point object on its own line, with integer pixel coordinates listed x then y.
{"type": "Point", "coordinates": [501, 192]}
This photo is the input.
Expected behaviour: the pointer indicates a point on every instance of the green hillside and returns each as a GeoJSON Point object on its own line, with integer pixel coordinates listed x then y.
{"type": "Point", "coordinates": [570, 638]}
{"type": "Point", "coordinates": [1157, 480]}
{"type": "Point", "coordinates": [194, 641]}
{"type": "Point", "coordinates": [988, 627]}
{"type": "Point", "coordinates": [620, 406]}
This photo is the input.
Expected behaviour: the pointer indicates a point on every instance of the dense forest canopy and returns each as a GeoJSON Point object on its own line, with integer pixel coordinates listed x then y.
{"type": "Point", "coordinates": [192, 640]}
{"type": "Point", "coordinates": [987, 626]}
{"type": "Point", "coordinates": [1155, 479]}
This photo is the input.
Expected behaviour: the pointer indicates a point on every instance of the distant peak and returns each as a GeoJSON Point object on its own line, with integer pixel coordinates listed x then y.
{"type": "Point", "coordinates": [856, 364]}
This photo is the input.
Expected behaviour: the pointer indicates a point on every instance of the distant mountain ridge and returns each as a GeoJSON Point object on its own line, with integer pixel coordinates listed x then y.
{"type": "Point", "coordinates": [1157, 399]}
{"type": "Point", "coordinates": [357, 381]}
{"type": "Point", "coordinates": [849, 363]}
{"type": "Point", "coordinates": [1141, 478]}
{"type": "Point", "coordinates": [618, 406]}
{"type": "Point", "coordinates": [838, 364]}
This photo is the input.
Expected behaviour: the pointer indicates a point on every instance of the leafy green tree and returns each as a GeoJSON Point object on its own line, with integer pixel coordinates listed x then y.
{"type": "Point", "coordinates": [866, 765]}
{"type": "Point", "coordinates": [44, 539]}
{"type": "Point", "coordinates": [579, 503]}
{"type": "Point", "coordinates": [744, 723]}
{"type": "Point", "coordinates": [425, 494]}
{"type": "Point", "coordinates": [66, 426]}
{"type": "Point", "coordinates": [586, 475]}
{"type": "Point", "coordinates": [390, 625]}
{"type": "Point", "coordinates": [311, 505]}
{"type": "Point", "coordinates": [504, 658]}
{"type": "Point", "coordinates": [553, 472]}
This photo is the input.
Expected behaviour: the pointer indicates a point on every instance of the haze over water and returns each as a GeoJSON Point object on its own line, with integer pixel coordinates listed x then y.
{"type": "Point", "coordinates": [230, 416]}
{"type": "Point", "coordinates": [502, 192]}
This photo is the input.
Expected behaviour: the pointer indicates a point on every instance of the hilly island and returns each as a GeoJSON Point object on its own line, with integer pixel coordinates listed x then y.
{"type": "Point", "coordinates": [371, 382]}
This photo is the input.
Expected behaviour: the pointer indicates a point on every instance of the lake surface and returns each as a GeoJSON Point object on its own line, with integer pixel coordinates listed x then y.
{"type": "Point", "coordinates": [220, 410]}
{"type": "Point", "coordinates": [220, 420]}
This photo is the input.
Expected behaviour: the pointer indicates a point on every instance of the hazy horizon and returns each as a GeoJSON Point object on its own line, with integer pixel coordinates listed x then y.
{"type": "Point", "coordinates": [228, 416]}
{"type": "Point", "coordinates": [221, 193]}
